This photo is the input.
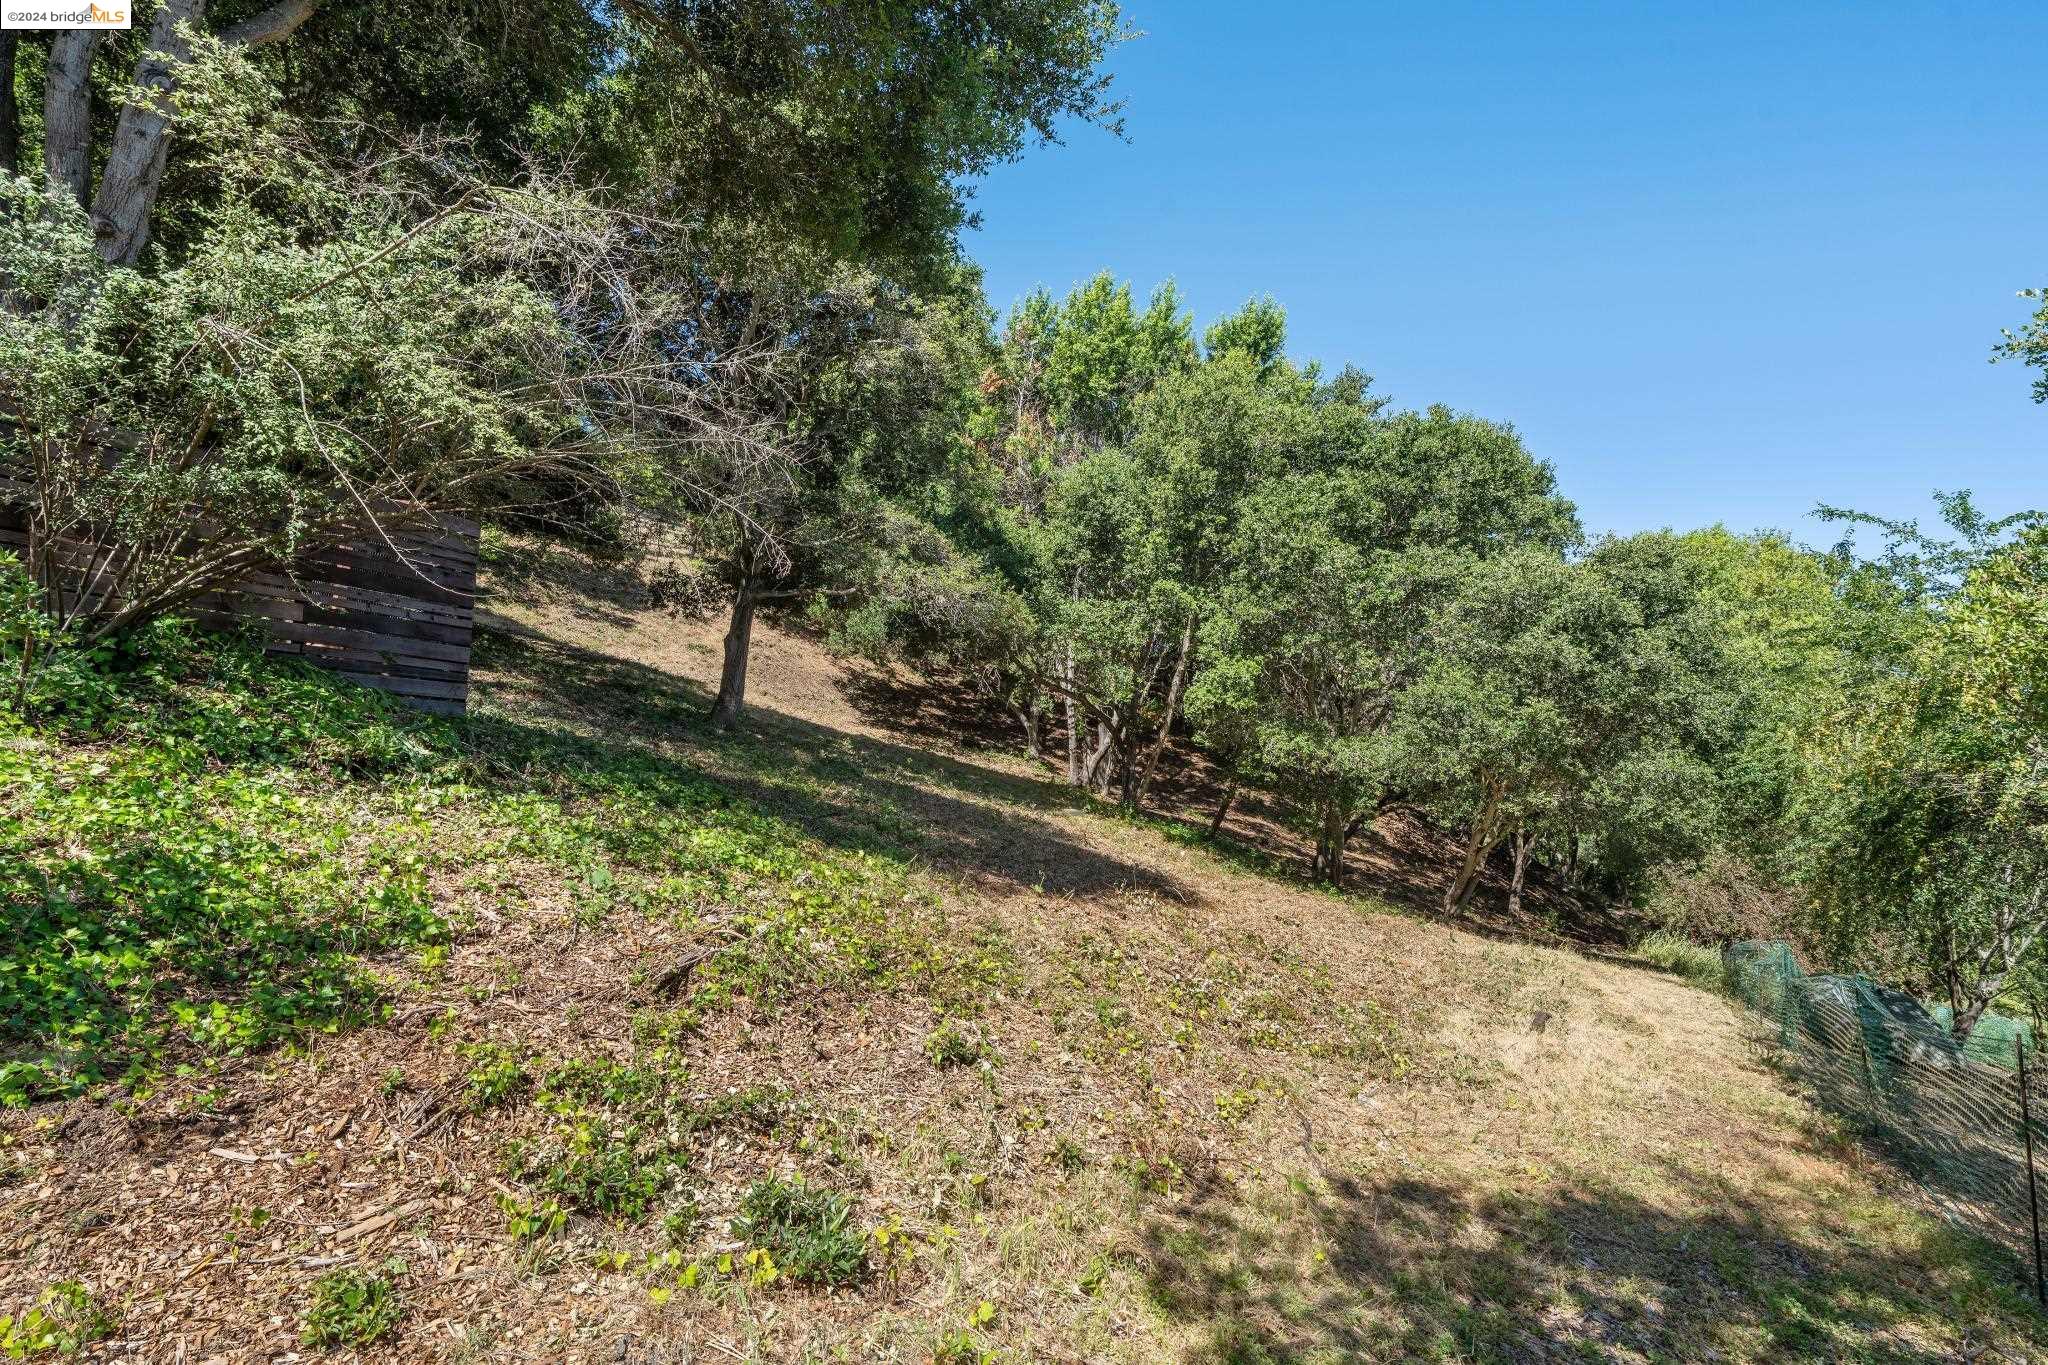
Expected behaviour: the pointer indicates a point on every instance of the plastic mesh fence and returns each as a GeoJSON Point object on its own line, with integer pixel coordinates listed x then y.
{"type": "Point", "coordinates": [1948, 1116]}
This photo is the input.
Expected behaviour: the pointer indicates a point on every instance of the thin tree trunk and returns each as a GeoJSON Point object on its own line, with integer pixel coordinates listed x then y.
{"type": "Point", "coordinates": [1073, 725]}
{"type": "Point", "coordinates": [1173, 691]}
{"type": "Point", "coordinates": [1571, 863]}
{"type": "Point", "coordinates": [1027, 716]}
{"type": "Point", "coordinates": [1478, 845]}
{"type": "Point", "coordinates": [1223, 809]}
{"type": "Point", "coordinates": [67, 112]}
{"type": "Point", "coordinates": [1335, 833]}
{"type": "Point", "coordinates": [1524, 841]}
{"type": "Point", "coordinates": [10, 113]}
{"type": "Point", "coordinates": [1955, 985]}
{"type": "Point", "coordinates": [732, 680]}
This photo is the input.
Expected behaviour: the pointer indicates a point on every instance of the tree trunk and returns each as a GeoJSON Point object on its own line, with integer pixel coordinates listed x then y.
{"type": "Point", "coordinates": [67, 112]}
{"type": "Point", "coordinates": [1094, 772]}
{"type": "Point", "coordinates": [1223, 809]}
{"type": "Point", "coordinates": [142, 138]}
{"type": "Point", "coordinates": [1330, 841]}
{"type": "Point", "coordinates": [1524, 841]}
{"type": "Point", "coordinates": [1173, 691]}
{"type": "Point", "coordinates": [732, 680]}
{"type": "Point", "coordinates": [1981, 996]}
{"type": "Point", "coordinates": [1028, 717]}
{"type": "Point", "coordinates": [1073, 725]}
{"type": "Point", "coordinates": [1955, 985]}
{"type": "Point", "coordinates": [1571, 863]}
{"type": "Point", "coordinates": [1478, 845]}
{"type": "Point", "coordinates": [10, 113]}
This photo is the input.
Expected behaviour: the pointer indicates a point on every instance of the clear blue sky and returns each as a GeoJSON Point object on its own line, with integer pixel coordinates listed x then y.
{"type": "Point", "coordinates": [1717, 262]}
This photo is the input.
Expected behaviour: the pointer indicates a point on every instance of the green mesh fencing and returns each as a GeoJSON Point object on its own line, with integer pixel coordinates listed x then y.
{"type": "Point", "coordinates": [1947, 1116]}
{"type": "Point", "coordinates": [1993, 1039]}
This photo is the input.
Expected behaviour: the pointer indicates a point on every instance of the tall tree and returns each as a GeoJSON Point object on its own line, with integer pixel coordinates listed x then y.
{"type": "Point", "coordinates": [852, 127]}
{"type": "Point", "coordinates": [1555, 679]}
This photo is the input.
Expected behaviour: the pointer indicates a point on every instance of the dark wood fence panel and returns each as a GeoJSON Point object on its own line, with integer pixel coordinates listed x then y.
{"type": "Point", "coordinates": [397, 617]}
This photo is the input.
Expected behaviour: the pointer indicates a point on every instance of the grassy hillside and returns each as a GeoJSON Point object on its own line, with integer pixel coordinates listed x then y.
{"type": "Point", "coordinates": [576, 1032]}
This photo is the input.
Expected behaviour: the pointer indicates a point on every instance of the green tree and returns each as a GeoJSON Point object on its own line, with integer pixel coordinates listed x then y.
{"type": "Point", "coordinates": [1928, 812]}
{"type": "Point", "coordinates": [1329, 590]}
{"type": "Point", "coordinates": [2029, 343]}
{"type": "Point", "coordinates": [853, 128]}
{"type": "Point", "coordinates": [1257, 331]}
{"type": "Point", "coordinates": [1567, 687]}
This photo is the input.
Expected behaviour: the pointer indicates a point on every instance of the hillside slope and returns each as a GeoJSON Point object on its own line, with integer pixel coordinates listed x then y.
{"type": "Point", "coordinates": [831, 1040]}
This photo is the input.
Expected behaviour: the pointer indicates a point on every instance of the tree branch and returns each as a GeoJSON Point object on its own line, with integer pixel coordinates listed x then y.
{"type": "Point", "coordinates": [278, 22]}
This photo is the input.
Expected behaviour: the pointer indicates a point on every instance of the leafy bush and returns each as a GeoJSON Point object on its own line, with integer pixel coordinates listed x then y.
{"type": "Point", "coordinates": [612, 1172]}
{"type": "Point", "coordinates": [810, 1232]}
{"type": "Point", "coordinates": [1724, 899]}
{"type": "Point", "coordinates": [353, 1308]}
{"type": "Point", "coordinates": [495, 1076]}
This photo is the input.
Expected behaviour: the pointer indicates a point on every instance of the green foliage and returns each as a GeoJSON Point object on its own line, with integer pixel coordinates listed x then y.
{"type": "Point", "coordinates": [1927, 807]}
{"type": "Point", "coordinates": [2029, 344]}
{"type": "Point", "coordinates": [950, 1045]}
{"type": "Point", "coordinates": [66, 1319]}
{"type": "Point", "coordinates": [179, 889]}
{"type": "Point", "coordinates": [1696, 962]}
{"type": "Point", "coordinates": [496, 1075]}
{"type": "Point", "coordinates": [1592, 694]}
{"type": "Point", "coordinates": [354, 1307]}
{"type": "Point", "coordinates": [809, 1231]}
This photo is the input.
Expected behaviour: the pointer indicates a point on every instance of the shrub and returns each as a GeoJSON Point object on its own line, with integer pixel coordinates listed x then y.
{"type": "Point", "coordinates": [810, 1232]}
{"type": "Point", "coordinates": [1722, 900]}
{"type": "Point", "coordinates": [1681, 956]}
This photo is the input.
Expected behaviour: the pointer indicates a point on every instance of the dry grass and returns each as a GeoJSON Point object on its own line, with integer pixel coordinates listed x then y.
{"type": "Point", "coordinates": [1206, 1114]}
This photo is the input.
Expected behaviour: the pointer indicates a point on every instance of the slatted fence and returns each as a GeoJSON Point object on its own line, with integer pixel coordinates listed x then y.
{"type": "Point", "coordinates": [399, 621]}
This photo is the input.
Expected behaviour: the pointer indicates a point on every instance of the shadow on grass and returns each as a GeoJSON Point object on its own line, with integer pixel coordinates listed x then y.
{"type": "Point", "coordinates": [1402, 861]}
{"type": "Point", "coordinates": [1342, 1269]}
{"type": "Point", "coordinates": [847, 790]}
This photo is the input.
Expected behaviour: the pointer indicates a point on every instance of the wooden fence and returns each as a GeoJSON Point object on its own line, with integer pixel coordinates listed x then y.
{"type": "Point", "coordinates": [400, 623]}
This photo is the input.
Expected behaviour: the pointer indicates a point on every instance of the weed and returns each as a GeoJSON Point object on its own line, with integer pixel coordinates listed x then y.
{"type": "Point", "coordinates": [603, 1171]}
{"type": "Point", "coordinates": [533, 1220]}
{"type": "Point", "coordinates": [66, 1319]}
{"type": "Point", "coordinates": [950, 1045]}
{"type": "Point", "coordinates": [1235, 1106]}
{"type": "Point", "coordinates": [679, 1225]}
{"type": "Point", "coordinates": [810, 1231]}
{"type": "Point", "coordinates": [496, 1076]}
{"type": "Point", "coordinates": [354, 1307]}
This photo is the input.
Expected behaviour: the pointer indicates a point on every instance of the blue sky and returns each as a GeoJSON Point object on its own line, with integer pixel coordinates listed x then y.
{"type": "Point", "coordinates": [1717, 262]}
